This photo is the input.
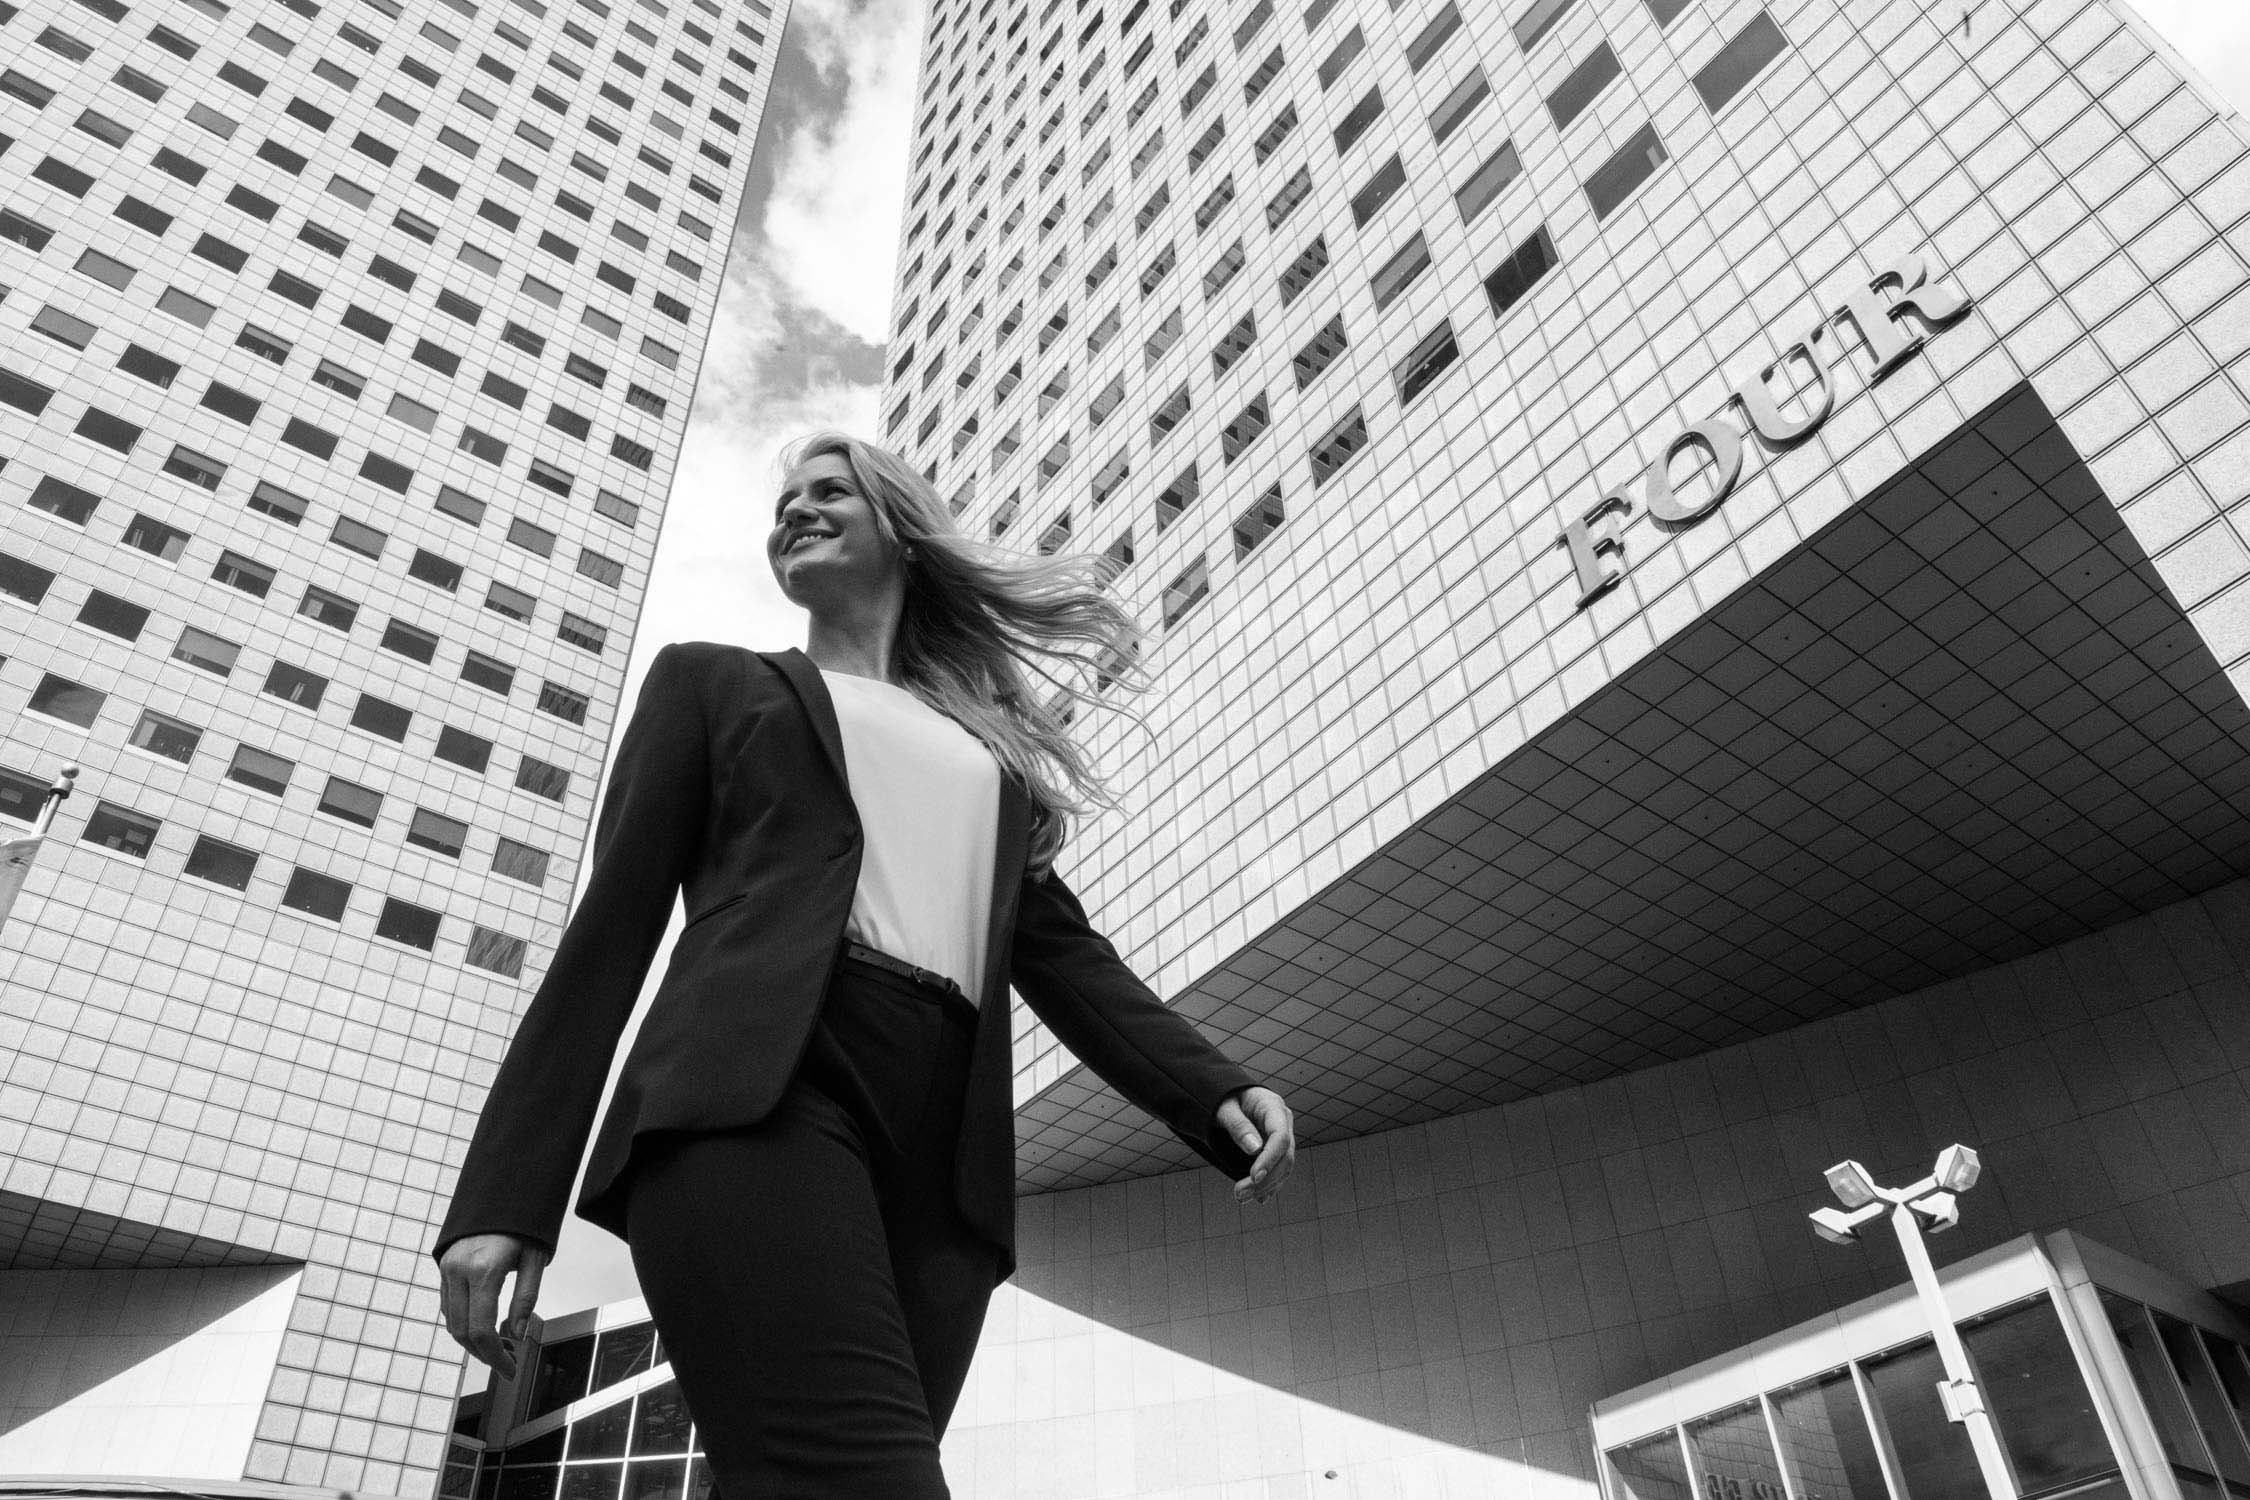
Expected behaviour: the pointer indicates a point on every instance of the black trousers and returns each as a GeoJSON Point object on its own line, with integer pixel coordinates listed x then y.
{"type": "Point", "coordinates": [814, 1284]}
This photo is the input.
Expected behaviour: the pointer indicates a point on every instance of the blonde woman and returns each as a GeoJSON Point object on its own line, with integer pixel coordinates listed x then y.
{"type": "Point", "coordinates": [811, 1147]}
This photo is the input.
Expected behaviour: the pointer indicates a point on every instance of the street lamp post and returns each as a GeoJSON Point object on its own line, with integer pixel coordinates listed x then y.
{"type": "Point", "coordinates": [1933, 1199]}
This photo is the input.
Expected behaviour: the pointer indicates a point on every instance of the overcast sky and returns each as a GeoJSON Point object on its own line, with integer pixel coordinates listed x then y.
{"type": "Point", "coordinates": [798, 345]}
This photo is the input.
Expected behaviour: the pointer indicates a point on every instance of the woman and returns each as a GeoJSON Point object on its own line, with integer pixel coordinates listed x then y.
{"type": "Point", "coordinates": [811, 1146]}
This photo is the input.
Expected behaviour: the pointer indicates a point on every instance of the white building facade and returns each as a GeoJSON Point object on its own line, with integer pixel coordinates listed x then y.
{"type": "Point", "coordinates": [1699, 603]}
{"type": "Point", "coordinates": [350, 346]}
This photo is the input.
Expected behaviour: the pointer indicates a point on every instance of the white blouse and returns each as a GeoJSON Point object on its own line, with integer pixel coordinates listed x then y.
{"type": "Point", "coordinates": [928, 795]}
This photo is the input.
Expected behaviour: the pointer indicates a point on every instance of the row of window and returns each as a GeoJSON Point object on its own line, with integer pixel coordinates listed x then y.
{"type": "Point", "coordinates": [1741, 60]}
{"type": "Point", "coordinates": [262, 209]}
{"type": "Point", "coordinates": [311, 892]}
{"type": "Point", "coordinates": [28, 582]}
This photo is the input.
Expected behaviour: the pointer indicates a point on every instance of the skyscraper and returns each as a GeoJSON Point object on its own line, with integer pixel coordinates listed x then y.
{"type": "Point", "coordinates": [1699, 605]}
{"type": "Point", "coordinates": [350, 344]}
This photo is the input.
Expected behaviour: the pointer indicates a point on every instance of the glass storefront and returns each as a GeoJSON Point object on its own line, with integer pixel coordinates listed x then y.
{"type": "Point", "coordinates": [623, 1433]}
{"type": "Point", "coordinates": [1872, 1426]}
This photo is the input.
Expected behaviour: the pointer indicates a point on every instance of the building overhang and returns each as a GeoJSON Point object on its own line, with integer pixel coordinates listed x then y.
{"type": "Point", "coordinates": [1964, 722]}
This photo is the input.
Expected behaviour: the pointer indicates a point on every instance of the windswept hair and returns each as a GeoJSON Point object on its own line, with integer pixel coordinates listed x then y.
{"type": "Point", "coordinates": [1003, 643]}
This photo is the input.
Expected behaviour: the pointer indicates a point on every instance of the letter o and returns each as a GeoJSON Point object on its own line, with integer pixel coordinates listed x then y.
{"type": "Point", "coordinates": [1725, 446]}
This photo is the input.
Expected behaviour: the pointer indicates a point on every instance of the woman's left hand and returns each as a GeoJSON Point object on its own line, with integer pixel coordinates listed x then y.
{"type": "Point", "coordinates": [1259, 1122]}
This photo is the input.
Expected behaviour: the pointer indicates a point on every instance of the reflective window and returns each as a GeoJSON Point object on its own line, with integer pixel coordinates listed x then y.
{"type": "Point", "coordinates": [1651, 1469]}
{"type": "Point", "coordinates": [2039, 1401]}
{"type": "Point", "coordinates": [1825, 1442]}
{"type": "Point", "coordinates": [1934, 1456]}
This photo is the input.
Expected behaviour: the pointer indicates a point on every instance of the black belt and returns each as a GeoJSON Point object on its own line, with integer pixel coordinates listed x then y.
{"type": "Point", "coordinates": [881, 960]}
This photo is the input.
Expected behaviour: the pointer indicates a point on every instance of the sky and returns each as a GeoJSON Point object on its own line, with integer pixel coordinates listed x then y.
{"type": "Point", "coordinates": [797, 346]}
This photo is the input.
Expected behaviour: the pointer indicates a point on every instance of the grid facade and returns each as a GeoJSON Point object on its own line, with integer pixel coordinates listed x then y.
{"type": "Point", "coordinates": [1324, 322]}
{"type": "Point", "coordinates": [351, 346]}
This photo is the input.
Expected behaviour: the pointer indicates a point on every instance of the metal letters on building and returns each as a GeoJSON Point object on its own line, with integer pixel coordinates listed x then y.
{"type": "Point", "coordinates": [1595, 540]}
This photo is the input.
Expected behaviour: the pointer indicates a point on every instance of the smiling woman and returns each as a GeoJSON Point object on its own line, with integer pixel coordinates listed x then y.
{"type": "Point", "coordinates": [810, 1150]}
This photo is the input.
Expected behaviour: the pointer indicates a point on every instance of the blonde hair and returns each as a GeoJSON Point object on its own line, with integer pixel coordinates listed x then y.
{"type": "Point", "coordinates": [981, 622]}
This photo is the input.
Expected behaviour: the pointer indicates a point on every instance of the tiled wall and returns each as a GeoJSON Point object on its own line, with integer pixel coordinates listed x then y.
{"type": "Point", "coordinates": [1430, 1311]}
{"type": "Point", "coordinates": [1413, 621]}
{"type": "Point", "coordinates": [183, 1058]}
{"type": "Point", "coordinates": [138, 1372]}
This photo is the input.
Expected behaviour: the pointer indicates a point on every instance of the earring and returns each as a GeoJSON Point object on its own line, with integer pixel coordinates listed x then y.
{"type": "Point", "coordinates": [907, 552]}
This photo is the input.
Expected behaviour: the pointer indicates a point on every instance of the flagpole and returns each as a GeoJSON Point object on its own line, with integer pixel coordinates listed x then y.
{"type": "Point", "coordinates": [16, 854]}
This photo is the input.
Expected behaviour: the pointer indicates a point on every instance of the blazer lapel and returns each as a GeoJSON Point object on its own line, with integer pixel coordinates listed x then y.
{"type": "Point", "coordinates": [1010, 851]}
{"type": "Point", "coordinates": [803, 678]}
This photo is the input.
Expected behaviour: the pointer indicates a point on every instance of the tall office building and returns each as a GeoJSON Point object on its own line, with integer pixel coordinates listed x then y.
{"type": "Point", "coordinates": [1695, 556]}
{"type": "Point", "coordinates": [350, 344]}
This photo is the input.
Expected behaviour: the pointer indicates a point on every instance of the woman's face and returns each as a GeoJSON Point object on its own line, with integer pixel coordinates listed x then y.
{"type": "Point", "coordinates": [825, 543]}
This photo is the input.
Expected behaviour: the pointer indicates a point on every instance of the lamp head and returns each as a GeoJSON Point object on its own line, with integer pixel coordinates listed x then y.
{"type": "Point", "coordinates": [1836, 1226]}
{"type": "Point", "coordinates": [1958, 1168]}
{"type": "Point", "coordinates": [1852, 1184]}
{"type": "Point", "coordinates": [1937, 1211]}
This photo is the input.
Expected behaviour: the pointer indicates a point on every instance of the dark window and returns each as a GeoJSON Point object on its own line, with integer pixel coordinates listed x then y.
{"type": "Point", "coordinates": [293, 684]}
{"type": "Point", "coordinates": [201, 649]}
{"type": "Point", "coordinates": [1515, 276]}
{"type": "Point", "coordinates": [1430, 38]}
{"type": "Point", "coordinates": [332, 610]}
{"type": "Point", "coordinates": [336, 378]}
{"type": "Point", "coordinates": [367, 324]}
{"type": "Point", "coordinates": [496, 952]}
{"type": "Point", "coordinates": [438, 832]}
{"type": "Point", "coordinates": [1184, 592]}
{"type": "Point", "coordinates": [143, 215]}
{"type": "Point", "coordinates": [317, 441]}
{"type": "Point", "coordinates": [61, 174]}
{"type": "Point", "coordinates": [1340, 56]}
{"type": "Point", "coordinates": [24, 394]}
{"type": "Point", "coordinates": [237, 571]}
{"type": "Point", "coordinates": [437, 357]}
{"type": "Point", "coordinates": [1399, 272]}
{"type": "Point", "coordinates": [160, 735]}
{"type": "Point", "coordinates": [60, 698]}
{"type": "Point", "coordinates": [1739, 61]}
{"type": "Point", "coordinates": [488, 672]}
{"type": "Point", "coordinates": [1301, 272]}
{"type": "Point", "coordinates": [221, 863]}
{"type": "Point", "coordinates": [24, 580]}
{"type": "Point", "coordinates": [1355, 122]}
{"type": "Point", "coordinates": [460, 504]}
{"type": "Point", "coordinates": [1333, 451]}
{"type": "Point", "coordinates": [221, 253]}
{"type": "Point", "coordinates": [121, 829]}
{"type": "Point", "coordinates": [1614, 180]}
{"type": "Point", "coordinates": [227, 401]}
{"type": "Point", "coordinates": [109, 431]}
{"type": "Point", "coordinates": [387, 472]}
{"type": "Point", "coordinates": [155, 538]}
{"type": "Point", "coordinates": [1425, 362]}
{"type": "Point", "coordinates": [1485, 184]}
{"type": "Point", "coordinates": [507, 599]}
{"type": "Point", "coordinates": [1176, 497]}
{"type": "Point", "coordinates": [1457, 106]}
{"type": "Point", "coordinates": [1258, 522]}
{"type": "Point", "coordinates": [520, 862]}
{"type": "Point", "coordinates": [316, 894]}
{"type": "Point", "coordinates": [378, 717]}
{"type": "Point", "coordinates": [410, 641]}
{"type": "Point", "coordinates": [295, 288]}
{"type": "Point", "coordinates": [1582, 85]}
{"type": "Point", "coordinates": [25, 232]}
{"type": "Point", "coordinates": [383, 268]}
{"type": "Point", "coordinates": [461, 748]}
{"type": "Point", "coordinates": [441, 572]}
{"type": "Point", "coordinates": [60, 498]}
{"type": "Point", "coordinates": [1319, 352]}
{"type": "Point", "coordinates": [257, 768]}
{"type": "Point", "coordinates": [1539, 20]}
{"type": "Point", "coordinates": [541, 779]}
{"type": "Point", "coordinates": [257, 205]}
{"type": "Point", "coordinates": [1249, 423]}
{"type": "Point", "coordinates": [564, 703]}
{"type": "Point", "coordinates": [1380, 188]}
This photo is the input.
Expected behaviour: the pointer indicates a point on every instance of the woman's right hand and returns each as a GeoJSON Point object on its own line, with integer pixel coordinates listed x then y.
{"type": "Point", "coordinates": [469, 1277]}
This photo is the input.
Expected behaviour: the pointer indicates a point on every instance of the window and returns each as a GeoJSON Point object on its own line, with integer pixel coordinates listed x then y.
{"type": "Point", "coordinates": [60, 498]}
{"type": "Point", "coordinates": [1614, 180]}
{"type": "Point", "coordinates": [1340, 56]}
{"type": "Point", "coordinates": [1177, 497]}
{"type": "Point", "coordinates": [1514, 277]}
{"type": "Point", "coordinates": [332, 610]}
{"type": "Point", "coordinates": [1486, 183]}
{"type": "Point", "coordinates": [155, 538]}
{"type": "Point", "coordinates": [520, 862]}
{"type": "Point", "coordinates": [200, 648]}
{"type": "Point", "coordinates": [257, 768]}
{"type": "Point", "coordinates": [506, 599]}
{"type": "Point", "coordinates": [1184, 592]}
{"type": "Point", "coordinates": [230, 402]}
{"type": "Point", "coordinates": [237, 571]}
{"type": "Point", "coordinates": [149, 217]}
{"type": "Point", "coordinates": [460, 748]}
{"type": "Point", "coordinates": [1425, 362]}
{"type": "Point", "coordinates": [435, 831]}
{"type": "Point", "coordinates": [377, 717]}
{"type": "Point", "coordinates": [1108, 478]}
{"type": "Point", "coordinates": [1582, 85]}
{"type": "Point", "coordinates": [1258, 522]}
{"type": "Point", "coordinates": [220, 863]}
{"type": "Point", "coordinates": [1458, 105]}
{"type": "Point", "coordinates": [1264, 74]}
{"type": "Point", "coordinates": [265, 345]}
{"type": "Point", "coordinates": [387, 472]}
{"type": "Point", "coordinates": [108, 430]}
{"type": "Point", "coordinates": [1739, 62]}
{"type": "Point", "coordinates": [1218, 198]}
{"type": "Point", "coordinates": [1399, 272]}
{"type": "Point", "coordinates": [316, 894]}
{"type": "Point", "coordinates": [317, 441]}
{"type": "Point", "coordinates": [488, 673]}
{"type": "Point", "coordinates": [478, 443]}
{"type": "Point", "coordinates": [293, 684]}
{"type": "Point", "coordinates": [1538, 21]}
{"type": "Point", "coordinates": [357, 536]}
{"type": "Point", "coordinates": [121, 829]}
{"type": "Point", "coordinates": [438, 572]}
{"type": "Point", "coordinates": [105, 269]}
{"type": "Point", "coordinates": [1301, 272]}
{"type": "Point", "coordinates": [1333, 451]}
{"type": "Point", "coordinates": [1432, 37]}
{"type": "Point", "coordinates": [167, 736]}
{"type": "Point", "coordinates": [1105, 401]}
{"type": "Point", "coordinates": [542, 779]}
{"type": "Point", "coordinates": [71, 702]}
{"type": "Point", "coordinates": [564, 703]}
{"type": "Point", "coordinates": [1320, 352]}
{"type": "Point", "coordinates": [24, 394]}
{"type": "Point", "coordinates": [1250, 422]}
{"type": "Point", "coordinates": [1224, 269]}
{"type": "Point", "coordinates": [63, 327]}
{"type": "Point", "coordinates": [1169, 415]}
{"type": "Point", "coordinates": [1158, 269]}
{"type": "Point", "coordinates": [1379, 190]}
{"type": "Point", "coordinates": [496, 952]}
{"type": "Point", "coordinates": [1293, 192]}
{"type": "Point", "coordinates": [534, 539]}
{"type": "Point", "coordinates": [1205, 144]}
{"type": "Point", "coordinates": [1357, 119]}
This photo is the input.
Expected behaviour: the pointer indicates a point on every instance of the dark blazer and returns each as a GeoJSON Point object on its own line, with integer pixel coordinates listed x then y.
{"type": "Point", "coordinates": [729, 784]}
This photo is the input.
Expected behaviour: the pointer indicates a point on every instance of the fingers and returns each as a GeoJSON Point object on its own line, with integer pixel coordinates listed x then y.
{"type": "Point", "coordinates": [1238, 1127]}
{"type": "Point", "coordinates": [526, 1298]}
{"type": "Point", "coordinates": [483, 1336]}
{"type": "Point", "coordinates": [1278, 1151]}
